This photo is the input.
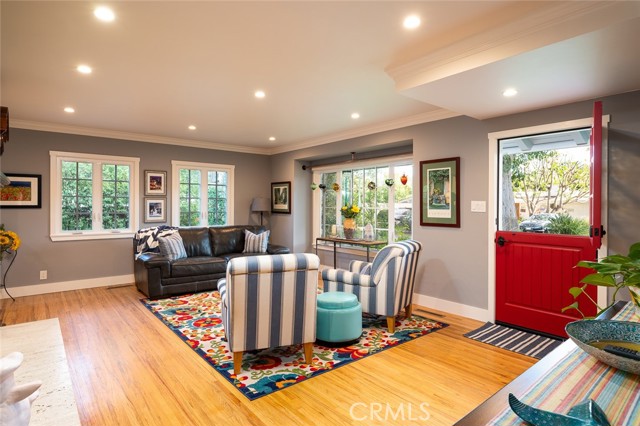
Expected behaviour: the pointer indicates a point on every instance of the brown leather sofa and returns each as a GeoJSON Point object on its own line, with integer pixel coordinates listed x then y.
{"type": "Point", "coordinates": [208, 251]}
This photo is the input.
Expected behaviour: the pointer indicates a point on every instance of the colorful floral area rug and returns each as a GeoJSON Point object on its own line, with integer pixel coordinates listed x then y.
{"type": "Point", "coordinates": [196, 319]}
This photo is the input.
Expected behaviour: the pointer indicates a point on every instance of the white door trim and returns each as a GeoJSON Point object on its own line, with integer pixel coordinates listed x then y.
{"type": "Point", "coordinates": [492, 212]}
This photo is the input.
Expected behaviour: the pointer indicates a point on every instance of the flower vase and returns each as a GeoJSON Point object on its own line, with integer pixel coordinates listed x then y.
{"type": "Point", "coordinates": [349, 226]}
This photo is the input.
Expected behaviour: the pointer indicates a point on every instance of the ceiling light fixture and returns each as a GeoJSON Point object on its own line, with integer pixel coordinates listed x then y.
{"type": "Point", "coordinates": [105, 14]}
{"type": "Point", "coordinates": [260, 94]}
{"type": "Point", "coordinates": [272, 138]}
{"type": "Point", "coordinates": [69, 110]}
{"type": "Point", "coordinates": [509, 92]}
{"type": "Point", "coordinates": [192, 127]}
{"type": "Point", "coordinates": [355, 115]}
{"type": "Point", "coordinates": [411, 22]}
{"type": "Point", "coordinates": [84, 69]}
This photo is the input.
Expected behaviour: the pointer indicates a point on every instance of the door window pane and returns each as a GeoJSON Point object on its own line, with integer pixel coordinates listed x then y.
{"type": "Point", "coordinates": [545, 183]}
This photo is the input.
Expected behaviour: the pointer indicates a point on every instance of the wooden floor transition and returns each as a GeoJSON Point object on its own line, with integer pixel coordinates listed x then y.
{"type": "Point", "coordinates": [127, 368]}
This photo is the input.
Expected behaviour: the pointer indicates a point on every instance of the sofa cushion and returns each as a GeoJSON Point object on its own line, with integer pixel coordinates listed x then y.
{"type": "Point", "coordinates": [171, 246]}
{"type": "Point", "coordinates": [196, 241]}
{"type": "Point", "coordinates": [199, 265]}
{"type": "Point", "coordinates": [230, 239]}
{"type": "Point", "coordinates": [255, 243]}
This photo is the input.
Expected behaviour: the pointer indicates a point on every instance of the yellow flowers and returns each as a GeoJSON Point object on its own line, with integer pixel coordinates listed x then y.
{"type": "Point", "coordinates": [350, 211]}
{"type": "Point", "coordinates": [9, 240]}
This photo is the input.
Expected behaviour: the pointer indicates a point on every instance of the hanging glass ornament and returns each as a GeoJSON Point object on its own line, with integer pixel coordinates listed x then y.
{"type": "Point", "coordinates": [404, 179]}
{"type": "Point", "coordinates": [313, 186]}
{"type": "Point", "coordinates": [336, 187]}
{"type": "Point", "coordinates": [371, 185]}
{"type": "Point", "coordinates": [388, 182]}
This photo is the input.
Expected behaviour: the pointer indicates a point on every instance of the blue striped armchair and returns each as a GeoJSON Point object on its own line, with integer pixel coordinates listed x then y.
{"type": "Point", "coordinates": [270, 301]}
{"type": "Point", "coordinates": [384, 286]}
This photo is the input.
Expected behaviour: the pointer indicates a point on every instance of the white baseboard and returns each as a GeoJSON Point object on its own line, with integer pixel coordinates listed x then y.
{"type": "Point", "coordinates": [452, 307]}
{"type": "Point", "coordinates": [35, 289]}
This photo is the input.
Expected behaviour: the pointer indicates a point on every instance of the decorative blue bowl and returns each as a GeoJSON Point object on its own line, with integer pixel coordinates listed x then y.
{"type": "Point", "coordinates": [585, 332]}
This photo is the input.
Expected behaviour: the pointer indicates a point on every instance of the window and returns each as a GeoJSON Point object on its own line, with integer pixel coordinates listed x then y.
{"type": "Point", "coordinates": [93, 196]}
{"type": "Point", "coordinates": [203, 194]}
{"type": "Point", "coordinates": [367, 187]}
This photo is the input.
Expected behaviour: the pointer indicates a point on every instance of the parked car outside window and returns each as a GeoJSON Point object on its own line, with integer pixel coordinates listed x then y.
{"type": "Point", "coordinates": [537, 223]}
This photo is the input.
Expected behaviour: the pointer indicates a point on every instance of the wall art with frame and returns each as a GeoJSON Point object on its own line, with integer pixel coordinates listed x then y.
{"type": "Point", "coordinates": [440, 192]}
{"type": "Point", "coordinates": [155, 209]}
{"type": "Point", "coordinates": [281, 197]}
{"type": "Point", "coordinates": [155, 182]}
{"type": "Point", "coordinates": [24, 191]}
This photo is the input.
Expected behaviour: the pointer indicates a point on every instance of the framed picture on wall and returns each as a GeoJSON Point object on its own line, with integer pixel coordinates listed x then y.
{"type": "Point", "coordinates": [155, 209]}
{"type": "Point", "coordinates": [24, 191]}
{"type": "Point", "coordinates": [155, 182]}
{"type": "Point", "coordinates": [281, 197]}
{"type": "Point", "coordinates": [440, 192]}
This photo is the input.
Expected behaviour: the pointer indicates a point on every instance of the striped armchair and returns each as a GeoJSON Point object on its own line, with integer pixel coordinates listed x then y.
{"type": "Point", "coordinates": [384, 286]}
{"type": "Point", "coordinates": [269, 301]}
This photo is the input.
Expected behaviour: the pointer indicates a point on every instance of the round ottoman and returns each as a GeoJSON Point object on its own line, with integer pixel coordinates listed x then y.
{"type": "Point", "coordinates": [339, 318]}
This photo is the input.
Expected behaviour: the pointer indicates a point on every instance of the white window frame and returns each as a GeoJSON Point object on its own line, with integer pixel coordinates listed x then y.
{"type": "Point", "coordinates": [403, 160]}
{"type": "Point", "coordinates": [57, 234]}
{"type": "Point", "coordinates": [176, 165]}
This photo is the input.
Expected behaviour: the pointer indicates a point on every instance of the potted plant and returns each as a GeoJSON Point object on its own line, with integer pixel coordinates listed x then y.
{"type": "Point", "coordinates": [616, 272]}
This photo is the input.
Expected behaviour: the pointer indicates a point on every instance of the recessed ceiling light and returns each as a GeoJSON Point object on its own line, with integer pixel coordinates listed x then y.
{"type": "Point", "coordinates": [84, 69]}
{"type": "Point", "coordinates": [411, 22]}
{"type": "Point", "coordinates": [272, 138]}
{"type": "Point", "coordinates": [70, 110]}
{"type": "Point", "coordinates": [260, 94]}
{"type": "Point", "coordinates": [105, 14]}
{"type": "Point", "coordinates": [355, 115]}
{"type": "Point", "coordinates": [509, 92]}
{"type": "Point", "coordinates": [192, 127]}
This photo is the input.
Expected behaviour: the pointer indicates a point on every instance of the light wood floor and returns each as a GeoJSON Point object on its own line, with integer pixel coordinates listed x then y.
{"type": "Point", "coordinates": [127, 368]}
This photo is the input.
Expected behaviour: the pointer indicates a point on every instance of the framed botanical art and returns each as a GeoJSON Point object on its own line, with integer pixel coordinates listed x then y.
{"type": "Point", "coordinates": [281, 197]}
{"type": "Point", "coordinates": [440, 192]}
{"type": "Point", "coordinates": [24, 191]}
{"type": "Point", "coordinates": [155, 182]}
{"type": "Point", "coordinates": [155, 209]}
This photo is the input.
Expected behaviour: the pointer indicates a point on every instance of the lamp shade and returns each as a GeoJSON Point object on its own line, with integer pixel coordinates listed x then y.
{"type": "Point", "coordinates": [260, 204]}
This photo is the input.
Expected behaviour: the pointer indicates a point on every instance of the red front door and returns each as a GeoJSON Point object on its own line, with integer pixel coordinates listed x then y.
{"type": "Point", "coordinates": [535, 269]}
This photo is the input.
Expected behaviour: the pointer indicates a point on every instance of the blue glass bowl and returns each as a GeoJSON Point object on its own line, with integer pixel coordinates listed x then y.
{"type": "Point", "coordinates": [585, 332]}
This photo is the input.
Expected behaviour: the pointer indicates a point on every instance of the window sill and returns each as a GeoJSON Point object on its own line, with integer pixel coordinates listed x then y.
{"type": "Point", "coordinates": [91, 236]}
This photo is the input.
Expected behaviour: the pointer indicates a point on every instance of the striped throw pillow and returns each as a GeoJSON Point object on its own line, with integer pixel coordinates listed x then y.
{"type": "Point", "coordinates": [171, 246]}
{"type": "Point", "coordinates": [255, 243]}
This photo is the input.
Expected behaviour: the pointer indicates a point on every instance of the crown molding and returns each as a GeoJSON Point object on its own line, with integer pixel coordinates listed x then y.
{"type": "Point", "coordinates": [555, 23]}
{"type": "Point", "coordinates": [436, 115]}
{"type": "Point", "coordinates": [139, 137]}
{"type": "Point", "coordinates": [439, 114]}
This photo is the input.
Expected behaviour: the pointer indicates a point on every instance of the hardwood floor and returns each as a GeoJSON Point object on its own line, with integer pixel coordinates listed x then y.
{"type": "Point", "coordinates": [127, 368]}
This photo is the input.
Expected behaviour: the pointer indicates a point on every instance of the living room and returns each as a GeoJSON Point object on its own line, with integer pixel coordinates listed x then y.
{"type": "Point", "coordinates": [453, 277]}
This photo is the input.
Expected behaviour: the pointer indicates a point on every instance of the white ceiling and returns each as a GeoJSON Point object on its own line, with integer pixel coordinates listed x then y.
{"type": "Point", "coordinates": [161, 66]}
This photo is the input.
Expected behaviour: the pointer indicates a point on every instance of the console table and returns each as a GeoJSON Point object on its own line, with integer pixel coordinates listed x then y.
{"type": "Point", "coordinates": [487, 412]}
{"type": "Point", "coordinates": [365, 243]}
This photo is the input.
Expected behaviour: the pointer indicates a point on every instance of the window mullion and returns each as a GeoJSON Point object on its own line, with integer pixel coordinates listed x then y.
{"type": "Point", "coordinates": [204, 197]}
{"type": "Point", "coordinates": [96, 197]}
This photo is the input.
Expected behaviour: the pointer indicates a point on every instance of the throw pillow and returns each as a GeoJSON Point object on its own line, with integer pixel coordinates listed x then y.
{"type": "Point", "coordinates": [172, 247]}
{"type": "Point", "coordinates": [255, 243]}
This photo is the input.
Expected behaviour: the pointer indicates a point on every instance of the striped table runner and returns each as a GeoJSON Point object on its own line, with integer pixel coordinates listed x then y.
{"type": "Point", "coordinates": [578, 377]}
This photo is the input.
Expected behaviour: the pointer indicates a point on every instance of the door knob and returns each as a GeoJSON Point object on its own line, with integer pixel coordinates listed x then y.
{"type": "Point", "coordinates": [501, 241]}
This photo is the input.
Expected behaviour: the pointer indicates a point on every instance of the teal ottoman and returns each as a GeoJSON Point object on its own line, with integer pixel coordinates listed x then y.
{"type": "Point", "coordinates": [339, 318]}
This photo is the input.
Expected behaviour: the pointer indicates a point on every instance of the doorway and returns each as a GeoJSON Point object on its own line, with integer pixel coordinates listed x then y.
{"type": "Point", "coordinates": [541, 223]}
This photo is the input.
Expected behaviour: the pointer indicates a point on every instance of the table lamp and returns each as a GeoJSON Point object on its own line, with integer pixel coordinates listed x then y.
{"type": "Point", "coordinates": [260, 204]}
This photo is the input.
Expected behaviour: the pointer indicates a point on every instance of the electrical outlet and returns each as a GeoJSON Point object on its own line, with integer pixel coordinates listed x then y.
{"type": "Point", "coordinates": [43, 275]}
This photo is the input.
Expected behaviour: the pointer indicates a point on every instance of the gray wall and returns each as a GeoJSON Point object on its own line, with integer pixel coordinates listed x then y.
{"type": "Point", "coordinates": [454, 265]}
{"type": "Point", "coordinates": [28, 152]}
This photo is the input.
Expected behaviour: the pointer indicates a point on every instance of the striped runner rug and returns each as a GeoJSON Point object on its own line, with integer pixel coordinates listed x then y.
{"type": "Point", "coordinates": [522, 342]}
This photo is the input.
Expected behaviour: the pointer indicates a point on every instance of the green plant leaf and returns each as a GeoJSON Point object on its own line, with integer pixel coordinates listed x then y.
{"type": "Point", "coordinates": [574, 305]}
{"type": "Point", "coordinates": [633, 279]}
{"type": "Point", "coordinates": [616, 259]}
{"type": "Point", "coordinates": [598, 279]}
{"type": "Point", "coordinates": [576, 291]}
{"type": "Point", "coordinates": [634, 251]}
